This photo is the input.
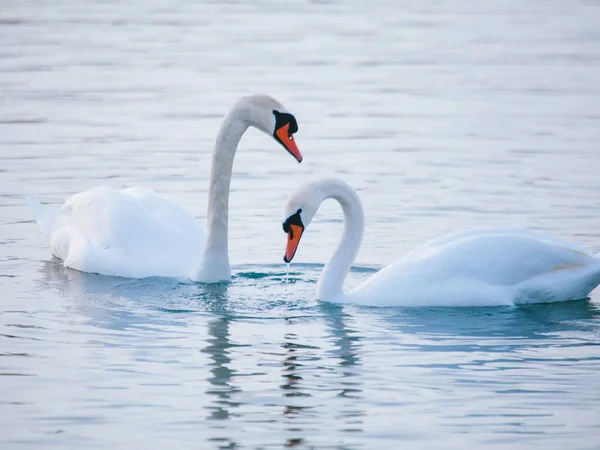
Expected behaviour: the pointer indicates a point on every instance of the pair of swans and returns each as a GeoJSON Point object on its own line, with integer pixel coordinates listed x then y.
{"type": "Point", "coordinates": [137, 233]}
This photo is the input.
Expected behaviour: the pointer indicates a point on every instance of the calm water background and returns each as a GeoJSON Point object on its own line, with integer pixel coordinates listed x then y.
{"type": "Point", "coordinates": [443, 114]}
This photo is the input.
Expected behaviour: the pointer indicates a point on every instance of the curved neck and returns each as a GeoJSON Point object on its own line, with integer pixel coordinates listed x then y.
{"type": "Point", "coordinates": [215, 260]}
{"type": "Point", "coordinates": [331, 282]}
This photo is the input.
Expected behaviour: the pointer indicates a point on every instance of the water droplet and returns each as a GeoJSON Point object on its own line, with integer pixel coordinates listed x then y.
{"type": "Point", "coordinates": [287, 275]}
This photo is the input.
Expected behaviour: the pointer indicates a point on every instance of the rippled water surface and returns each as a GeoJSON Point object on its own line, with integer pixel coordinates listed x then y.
{"type": "Point", "coordinates": [443, 114]}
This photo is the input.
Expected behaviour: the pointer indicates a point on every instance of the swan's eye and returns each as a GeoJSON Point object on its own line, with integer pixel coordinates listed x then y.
{"type": "Point", "coordinates": [294, 219]}
{"type": "Point", "coordinates": [283, 119]}
{"type": "Point", "coordinates": [293, 126]}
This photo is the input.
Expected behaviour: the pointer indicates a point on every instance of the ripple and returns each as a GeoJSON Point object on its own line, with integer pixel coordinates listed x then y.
{"type": "Point", "coordinates": [489, 118]}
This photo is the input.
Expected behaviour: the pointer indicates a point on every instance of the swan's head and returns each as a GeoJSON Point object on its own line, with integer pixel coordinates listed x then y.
{"type": "Point", "coordinates": [272, 118]}
{"type": "Point", "coordinates": [301, 207]}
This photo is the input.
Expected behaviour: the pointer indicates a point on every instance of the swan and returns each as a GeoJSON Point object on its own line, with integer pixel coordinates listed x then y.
{"type": "Point", "coordinates": [137, 233]}
{"type": "Point", "coordinates": [477, 267]}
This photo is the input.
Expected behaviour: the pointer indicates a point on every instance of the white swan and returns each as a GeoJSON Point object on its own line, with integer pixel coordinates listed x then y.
{"type": "Point", "coordinates": [495, 266]}
{"type": "Point", "coordinates": [137, 233]}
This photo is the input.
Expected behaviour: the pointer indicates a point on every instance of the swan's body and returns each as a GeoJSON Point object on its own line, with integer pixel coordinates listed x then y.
{"type": "Point", "coordinates": [493, 266]}
{"type": "Point", "coordinates": [129, 233]}
{"type": "Point", "coordinates": [137, 233]}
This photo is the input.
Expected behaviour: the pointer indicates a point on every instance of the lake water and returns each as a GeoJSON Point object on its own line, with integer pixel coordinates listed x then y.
{"type": "Point", "coordinates": [443, 114]}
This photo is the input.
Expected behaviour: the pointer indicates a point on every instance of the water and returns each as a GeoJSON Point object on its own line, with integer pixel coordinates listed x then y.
{"type": "Point", "coordinates": [444, 115]}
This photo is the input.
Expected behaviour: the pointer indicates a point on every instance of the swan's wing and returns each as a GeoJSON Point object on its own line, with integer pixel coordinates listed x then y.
{"type": "Point", "coordinates": [497, 258]}
{"type": "Point", "coordinates": [495, 231]}
{"type": "Point", "coordinates": [483, 268]}
{"type": "Point", "coordinates": [168, 213]}
{"type": "Point", "coordinates": [112, 232]}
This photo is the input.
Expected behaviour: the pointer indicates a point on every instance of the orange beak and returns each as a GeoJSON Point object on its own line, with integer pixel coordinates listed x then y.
{"type": "Point", "coordinates": [287, 140]}
{"type": "Point", "coordinates": [294, 235]}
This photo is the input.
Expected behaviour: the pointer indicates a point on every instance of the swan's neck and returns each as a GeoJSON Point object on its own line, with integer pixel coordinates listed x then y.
{"type": "Point", "coordinates": [214, 265]}
{"type": "Point", "coordinates": [331, 282]}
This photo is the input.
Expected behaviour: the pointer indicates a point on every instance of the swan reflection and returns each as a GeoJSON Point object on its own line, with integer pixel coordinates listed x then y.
{"type": "Point", "coordinates": [220, 389]}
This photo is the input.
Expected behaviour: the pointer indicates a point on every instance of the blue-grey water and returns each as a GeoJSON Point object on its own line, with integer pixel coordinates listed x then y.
{"type": "Point", "coordinates": [443, 114]}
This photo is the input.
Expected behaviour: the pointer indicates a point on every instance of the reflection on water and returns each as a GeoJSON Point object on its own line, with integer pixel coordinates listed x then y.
{"type": "Point", "coordinates": [527, 321]}
{"type": "Point", "coordinates": [292, 387]}
{"type": "Point", "coordinates": [346, 340]}
{"type": "Point", "coordinates": [221, 389]}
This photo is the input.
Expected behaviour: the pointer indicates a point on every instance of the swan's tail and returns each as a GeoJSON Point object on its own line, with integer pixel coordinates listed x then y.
{"type": "Point", "coordinates": [45, 216]}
